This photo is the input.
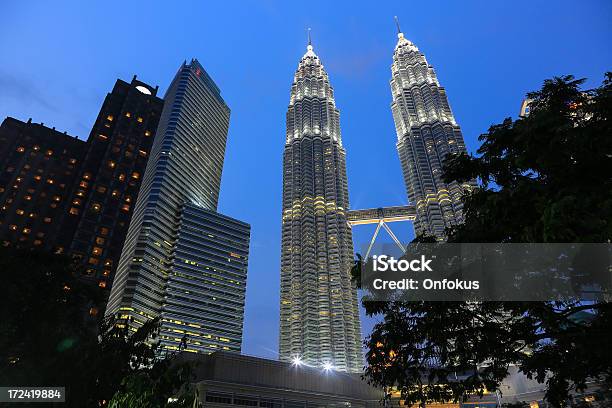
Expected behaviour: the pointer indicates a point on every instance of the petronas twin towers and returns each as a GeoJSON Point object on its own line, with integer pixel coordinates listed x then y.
{"type": "Point", "coordinates": [319, 312]}
{"type": "Point", "coordinates": [319, 316]}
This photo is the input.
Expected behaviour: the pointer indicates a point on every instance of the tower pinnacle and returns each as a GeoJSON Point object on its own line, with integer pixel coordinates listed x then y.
{"type": "Point", "coordinates": [399, 30]}
{"type": "Point", "coordinates": [309, 48]}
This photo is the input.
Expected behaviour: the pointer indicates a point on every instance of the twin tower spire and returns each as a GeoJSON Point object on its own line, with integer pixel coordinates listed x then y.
{"type": "Point", "coordinates": [400, 34]}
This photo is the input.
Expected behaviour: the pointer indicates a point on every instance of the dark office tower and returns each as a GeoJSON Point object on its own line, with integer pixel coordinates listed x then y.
{"type": "Point", "coordinates": [103, 197]}
{"type": "Point", "coordinates": [426, 133]}
{"type": "Point", "coordinates": [38, 166]}
{"type": "Point", "coordinates": [182, 261]}
{"type": "Point", "coordinates": [319, 318]}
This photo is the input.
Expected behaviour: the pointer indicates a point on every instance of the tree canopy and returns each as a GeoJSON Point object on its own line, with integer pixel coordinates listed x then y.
{"type": "Point", "coordinates": [49, 338]}
{"type": "Point", "coordinates": [544, 178]}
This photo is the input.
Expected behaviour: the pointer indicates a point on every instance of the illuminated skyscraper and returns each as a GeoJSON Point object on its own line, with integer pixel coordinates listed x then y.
{"type": "Point", "coordinates": [318, 311]}
{"type": "Point", "coordinates": [182, 261]}
{"type": "Point", "coordinates": [101, 200]}
{"type": "Point", "coordinates": [426, 132]}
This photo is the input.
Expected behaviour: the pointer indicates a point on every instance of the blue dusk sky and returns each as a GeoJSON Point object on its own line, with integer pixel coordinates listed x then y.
{"type": "Point", "coordinates": [58, 59]}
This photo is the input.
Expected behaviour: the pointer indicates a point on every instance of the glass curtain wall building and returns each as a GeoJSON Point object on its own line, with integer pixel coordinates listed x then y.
{"type": "Point", "coordinates": [182, 261]}
{"type": "Point", "coordinates": [426, 132]}
{"type": "Point", "coordinates": [318, 312]}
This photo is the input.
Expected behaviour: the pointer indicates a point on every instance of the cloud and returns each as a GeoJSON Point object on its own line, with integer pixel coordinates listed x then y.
{"type": "Point", "coordinates": [23, 91]}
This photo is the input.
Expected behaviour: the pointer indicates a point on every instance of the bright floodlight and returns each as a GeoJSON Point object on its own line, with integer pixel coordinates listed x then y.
{"type": "Point", "coordinates": [296, 361]}
{"type": "Point", "coordinates": [328, 366]}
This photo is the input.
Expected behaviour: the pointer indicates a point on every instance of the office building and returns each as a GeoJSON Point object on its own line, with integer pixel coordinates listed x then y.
{"type": "Point", "coordinates": [103, 196]}
{"type": "Point", "coordinates": [426, 133]}
{"type": "Point", "coordinates": [38, 166]}
{"type": "Point", "coordinates": [319, 318]}
{"type": "Point", "coordinates": [182, 262]}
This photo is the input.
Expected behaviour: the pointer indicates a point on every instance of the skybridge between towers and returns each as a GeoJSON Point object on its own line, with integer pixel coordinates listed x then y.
{"type": "Point", "coordinates": [381, 216]}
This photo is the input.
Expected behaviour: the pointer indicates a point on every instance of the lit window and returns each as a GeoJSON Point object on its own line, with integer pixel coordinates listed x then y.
{"type": "Point", "coordinates": [110, 118]}
{"type": "Point", "coordinates": [83, 184]}
{"type": "Point", "coordinates": [80, 193]}
{"type": "Point", "coordinates": [102, 284]}
{"type": "Point", "coordinates": [76, 201]}
{"type": "Point", "coordinates": [115, 193]}
{"type": "Point", "coordinates": [50, 181]}
{"type": "Point", "coordinates": [32, 215]}
{"type": "Point", "coordinates": [20, 212]}
{"type": "Point", "coordinates": [72, 161]}
{"type": "Point", "coordinates": [13, 227]}
{"type": "Point", "coordinates": [147, 133]}
{"type": "Point", "coordinates": [21, 149]}
{"type": "Point", "coordinates": [102, 137]}
{"type": "Point", "coordinates": [96, 207]}
{"type": "Point", "coordinates": [128, 115]}
{"type": "Point", "coordinates": [27, 230]}
{"type": "Point", "coordinates": [125, 207]}
{"type": "Point", "coordinates": [111, 164]}
{"type": "Point", "coordinates": [103, 231]}
{"type": "Point", "coordinates": [93, 311]}
{"type": "Point", "coordinates": [96, 251]}
{"type": "Point", "coordinates": [37, 242]}
{"type": "Point", "coordinates": [49, 152]}
{"type": "Point", "coordinates": [56, 198]}
{"type": "Point", "coordinates": [139, 120]}
{"type": "Point", "coordinates": [36, 148]}
{"type": "Point", "coordinates": [128, 199]}
{"type": "Point", "coordinates": [27, 197]}
{"type": "Point", "coordinates": [100, 241]}
{"type": "Point", "coordinates": [74, 211]}
{"type": "Point", "coordinates": [37, 177]}
{"type": "Point", "coordinates": [121, 177]}
{"type": "Point", "coordinates": [142, 153]}
{"type": "Point", "coordinates": [106, 272]}
{"type": "Point", "coordinates": [108, 262]}
{"type": "Point", "coordinates": [92, 261]}
{"type": "Point", "coordinates": [87, 176]}
{"type": "Point", "coordinates": [135, 175]}
{"type": "Point", "coordinates": [47, 220]}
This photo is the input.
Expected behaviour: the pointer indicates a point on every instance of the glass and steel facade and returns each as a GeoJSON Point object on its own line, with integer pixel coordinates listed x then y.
{"type": "Point", "coordinates": [426, 133]}
{"type": "Point", "coordinates": [182, 179]}
{"type": "Point", "coordinates": [204, 294]}
{"type": "Point", "coordinates": [318, 311]}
